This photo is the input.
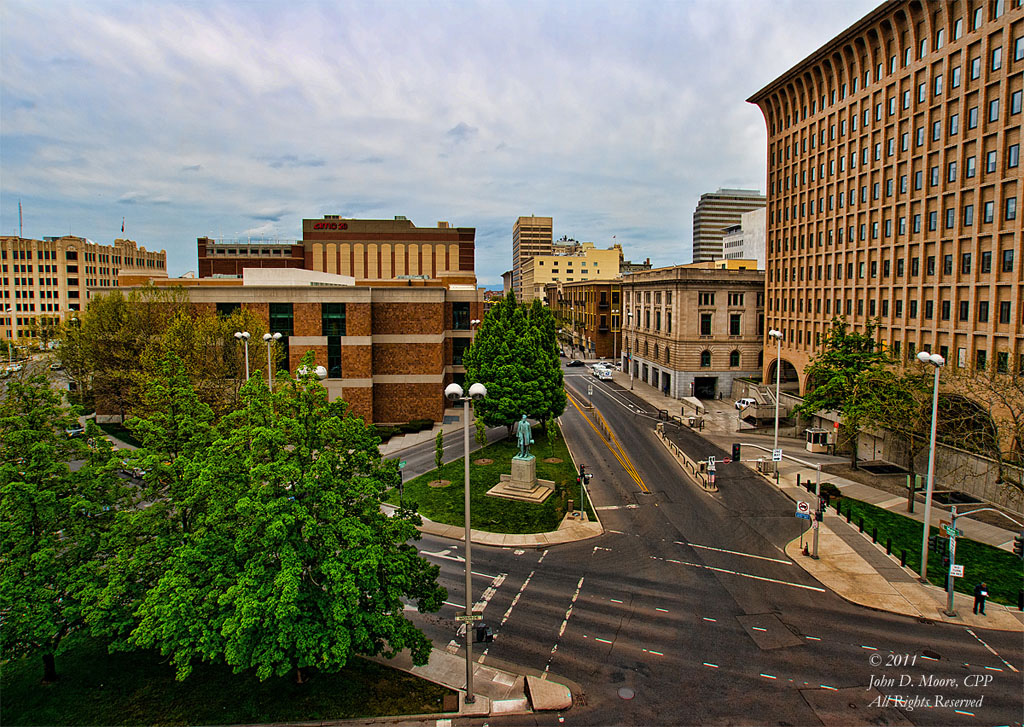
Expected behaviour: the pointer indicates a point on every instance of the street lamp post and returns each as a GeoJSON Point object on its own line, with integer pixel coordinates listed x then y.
{"type": "Point", "coordinates": [632, 349]}
{"type": "Point", "coordinates": [10, 322]}
{"type": "Point", "coordinates": [270, 338]}
{"type": "Point", "coordinates": [937, 362]}
{"type": "Point", "coordinates": [244, 336]}
{"type": "Point", "coordinates": [477, 392]}
{"type": "Point", "coordinates": [777, 335]}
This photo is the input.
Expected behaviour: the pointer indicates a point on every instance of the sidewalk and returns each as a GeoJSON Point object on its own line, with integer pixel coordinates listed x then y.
{"type": "Point", "coordinates": [849, 563]}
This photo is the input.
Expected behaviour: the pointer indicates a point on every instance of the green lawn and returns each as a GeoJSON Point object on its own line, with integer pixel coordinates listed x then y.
{"type": "Point", "coordinates": [496, 514]}
{"type": "Point", "coordinates": [138, 688]}
{"type": "Point", "coordinates": [1001, 570]}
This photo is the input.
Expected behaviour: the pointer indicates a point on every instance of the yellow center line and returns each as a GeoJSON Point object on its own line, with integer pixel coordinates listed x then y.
{"type": "Point", "coordinates": [616, 450]}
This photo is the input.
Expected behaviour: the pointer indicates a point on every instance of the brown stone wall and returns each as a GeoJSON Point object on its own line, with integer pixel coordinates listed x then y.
{"type": "Point", "coordinates": [295, 354]}
{"type": "Point", "coordinates": [361, 401]}
{"type": "Point", "coordinates": [308, 320]}
{"type": "Point", "coordinates": [260, 310]}
{"type": "Point", "coordinates": [404, 358]}
{"type": "Point", "coordinates": [391, 318]}
{"type": "Point", "coordinates": [398, 403]}
{"type": "Point", "coordinates": [356, 362]}
{"type": "Point", "coordinates": [358, 321]}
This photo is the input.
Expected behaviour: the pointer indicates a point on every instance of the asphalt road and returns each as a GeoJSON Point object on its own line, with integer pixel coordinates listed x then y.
{"type": "Point", "coordinates": [689, 602]}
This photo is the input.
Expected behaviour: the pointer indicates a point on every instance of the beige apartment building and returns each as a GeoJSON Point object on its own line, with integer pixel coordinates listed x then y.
{"type": "Point", "coordinates": [41, 281]}
{"type": "Point", "coordinates": [894, 185]}
{"type": "Point", "coordinates": [530, 236]}
{"type": "Point", "coordinates": [589, 263]}
{"type": "Point", "coordinates": [691, 330]}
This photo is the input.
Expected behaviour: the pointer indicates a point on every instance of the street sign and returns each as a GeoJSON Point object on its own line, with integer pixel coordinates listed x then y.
{"type": "Point", "coordinates": [726, 460]}
{"type": "Point", "coordinates": [803, 516]}
{"type": "Point", "coordinates": [952, 532]}
{"type": "Point", "coordinates": [776, 455]}
{"type": "Point", "coordinates": [401, 464]}
{"type": "Point", "coordinates": [803, 506]}
{"type": "Point", "coordinates": [711, 463]}
{"type": "Point", "coordinates": [464, 618]}
{"type": "Point", "coordinates": [956, 570]}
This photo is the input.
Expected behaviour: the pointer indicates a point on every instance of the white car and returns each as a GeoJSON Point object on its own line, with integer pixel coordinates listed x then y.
{"type": "Point", "coordinates": [745, 402]}
{"type": "Point", "coordinates": [603, 374]}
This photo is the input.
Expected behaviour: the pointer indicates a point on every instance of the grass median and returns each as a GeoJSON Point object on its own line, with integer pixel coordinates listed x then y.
{"type": "Point", "coordinates": [1000, 569]}
{"type": "Point", "coordinates": [496, 514]}
{"type": "Point", "coordinates": [138, 688]}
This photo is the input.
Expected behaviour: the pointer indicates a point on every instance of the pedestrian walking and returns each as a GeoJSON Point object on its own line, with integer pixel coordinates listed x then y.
{"type": "Point", "coordinates": [980, 594]}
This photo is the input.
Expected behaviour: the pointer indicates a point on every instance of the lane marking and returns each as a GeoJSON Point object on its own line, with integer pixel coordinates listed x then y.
{"type": "Point", "coordinates": [656, 653]}
{"type": "Point", "coordinates": [614, 600]}
{"type": "Point", "coordinates": [617, 532]}
{"type": "Point", "coordinates": [740, 573]}
{"type": "Point", "coordinates": [713, 666]}
{"type": "Point", "coordinates": [1012, 667]}
{"type": "Point", "coordinates": [758, 628]}
{"type": "Point", "coordinates": [541, 559]}
{"type": "Point", "coordinates": [620, 455]}
{"type": "Point", "coordinates": [826, 686]}
{"type": "Point", "coordinates": [812, 638]}
{"type": "Point", "coordinates": [457, 605]}
{"type": "Point", "coordinates": [515, 599]}
{"type": "Point", "coordinates": [735, 552]}
{"type": "Point", "coordinates": [603, 641]}
{"type": "Point", "coordinates": [768, 676]}
{"type": "Point", "coordinates": [711, 619]}
{"type": "Point", "coordinates": [565, 622]}
{"type": "Point", "coordinates": [663, 610]}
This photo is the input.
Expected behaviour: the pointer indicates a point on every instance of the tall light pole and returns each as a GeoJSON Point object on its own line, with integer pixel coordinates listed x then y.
{"type": "Point", "coordinates": [777, 335]}
{"type": "Point", "coordinates": [270, 338]}
{"type": "Point", "coordinates": [937, 363]}
{"type": "Point", "coordinates": [244, 336]}
{"type": "Point", "coordinates": [477, 392]}
{"type": "Point", "coordinates": [10, 323]}
{"type": "Point", "coordinates": [632, 349]}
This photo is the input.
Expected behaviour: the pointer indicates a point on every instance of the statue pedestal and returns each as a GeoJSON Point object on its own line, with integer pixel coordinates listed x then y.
{"type": "Point", "coordinates": [523, 484]}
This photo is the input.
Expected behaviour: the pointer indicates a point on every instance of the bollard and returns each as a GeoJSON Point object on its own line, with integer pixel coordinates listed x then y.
{"type": "Point", "coordinates": [888, 546]}
{"type": "Point", "coordinates": [903, 559]}
{"type": "Point", "coordinates": [848, 511]}
{"type": "Point", "coordinates": [874, 535]}
{"type": "Point", "coordinates": [1020, 600]}
{"type": "Point", "coordinates": [798, 480]}
{"type": "Point", "coordinates": [860, 524]}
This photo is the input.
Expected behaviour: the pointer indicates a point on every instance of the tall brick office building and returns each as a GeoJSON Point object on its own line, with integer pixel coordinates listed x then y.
{"type": "Point", "coordinates": [894, 185]}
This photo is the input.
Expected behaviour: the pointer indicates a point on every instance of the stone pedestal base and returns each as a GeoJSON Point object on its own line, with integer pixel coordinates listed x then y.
{"type": "Point", "coordinates": [523, 484]}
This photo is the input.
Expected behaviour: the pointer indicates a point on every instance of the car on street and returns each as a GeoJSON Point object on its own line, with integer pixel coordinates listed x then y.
{"type": "Point", "coordinates": [745, 402]}
{"type": "Point", "coordinates": [603, 374]}
{"type": "Point", "coordinates": [575, 362]}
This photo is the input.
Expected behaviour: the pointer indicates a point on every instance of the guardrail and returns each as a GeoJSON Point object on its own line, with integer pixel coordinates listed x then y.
{"type": "Point", "coordinates": [692, 468]}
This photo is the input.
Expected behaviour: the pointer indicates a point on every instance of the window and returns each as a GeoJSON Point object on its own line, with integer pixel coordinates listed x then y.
{"type": "Point", "coordinates": [933, 175]}
{"type": "Point", "coordinates": [734, 358]}
{"type": "Point", "coordinates": [929, 309]}
{"type": "Point", "coordinates": [965, 310]}
{"type": "Point", "coordinates": [950, 218]}
{"type": "Point", "coordinates": [997, 58]}
{"type": "Point", "coordinates": [968, 215]}
{"type": "Point", "coordinates": [972, 117]}
{"type": "Point", "coordinates": [947, 264]}
{"type": "Point", "coordinates": [1011, 208]}
{"type": "Point", "coordinates": [1013, 156]}
{"type": "Point", "coordinates": [705, 359]}
{"type": "Point", "coordinates": [981, 359]}
{"type": "Point", "coordinates": [224, 310]}
{"type": "Point", "coordinates": [989, 210]}
{"type": "Point", "coordinates": [1004, 311]}
{"type": "Point", "coordinates": [990, 162]}
{"type": "Point", "coordinates": [933, 221]}
{"type": "Point", "coordinates": [970, 168]}
{"type": "Point", "coordinates": [951, 172]}
{"type": "Point", "coordinates": [916, 222]}
{"type": "Point", "coordinates": [993, 110]}
{"type": "Point", "coordinates": [938, 85]}
{"type": "Point", "coordinates": [1003, 362]}
{"type": "Point", "coordinates": [945, 308]}
{"type": "Point", "coordinates": [922, 93]}
{"type": "Point", "coordinates": [965, 263]}
{"type": "Point", "coordinates": [975, 68]}
{"type": "Point", "coordinates": [705, 324]}
{"type": "Point", "coordinates": [954, 124]}
{"type": "Point", "coordinates": [919, 136]}
{"type": "Point", "coordinates": [954, 78]}
{"type": "Point", "coordinates": [282, 320]}
{"type": "Point", "coordinates": [1015, 102]}
{"type": "Point", "coordinates": [900, 267]}
{"type": "Point", "coordinates": [460, 316]}
{"type": "Point", "coordinates": [915, 266]}
{"type": "Point", "coordinates": [918, 177]}
{"type": "Point", "coordinates": [1018, 49]}
{"type": "Point", "coordinates": [982, 311]}
{"type": "Point", "coordinates": [985, 265]}
{"type": "Point", "coordinates": [1008, 261]}
{"type": "Point", "coordinates": [705, 298]}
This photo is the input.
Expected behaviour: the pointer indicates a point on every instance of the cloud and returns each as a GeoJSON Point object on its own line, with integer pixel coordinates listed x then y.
{"type": "Point", "coordinates": [611, 117]}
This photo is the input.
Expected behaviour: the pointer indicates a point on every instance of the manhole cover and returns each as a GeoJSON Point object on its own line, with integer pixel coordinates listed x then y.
{"type": "Point", "coordinates": [626, 693]}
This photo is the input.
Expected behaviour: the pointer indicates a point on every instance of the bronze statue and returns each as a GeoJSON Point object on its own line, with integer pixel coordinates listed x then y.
{"type": "Point", "coordinates": [524, 434]}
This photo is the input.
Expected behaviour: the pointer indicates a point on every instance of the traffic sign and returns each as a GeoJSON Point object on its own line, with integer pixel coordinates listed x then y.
{"type": "Point", "coordinates": [726, 460]}
{"type": "Point", "coordinates": [466, 618]}
{"type": "Point", "coordinates": [956, 570]}
{"type": "Point", "coordinates": [711, 462]}
{"type": "Point", "coordinates": [803, 506]}
{"type": "Point", "coordinates": [952, 532]}
{"type": "Point", "coordinates": [401, 464]}
{"type": "Point", "coordinates": [803, 516]}
{"type": "Point", "coordinates": [776, 455]}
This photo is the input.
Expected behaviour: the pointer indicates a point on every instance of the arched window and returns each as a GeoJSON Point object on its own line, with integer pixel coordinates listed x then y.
{"type": "Point", "coordinates": [655, 352]}
{"type": "Point", "coordinates": [645, 348]}
{"type": "Point", "coordinates": [734, 358]}
{"type": "Point", "coordinates": [705, 358]}
{"type": "Point", "coordinates": [666, 355]}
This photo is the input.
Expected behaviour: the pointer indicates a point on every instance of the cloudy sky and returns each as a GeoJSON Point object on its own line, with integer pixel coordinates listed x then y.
{"type": "Point", "coordinates": [239, 119]}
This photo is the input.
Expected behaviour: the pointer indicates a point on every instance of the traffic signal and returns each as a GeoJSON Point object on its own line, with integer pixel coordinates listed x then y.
{"type": "Point", "coordinates": [1018, 545]}
{"type": "Point", "coordinates": [736, 452]}
{"type": "Point", "coordinates": [938, 544]}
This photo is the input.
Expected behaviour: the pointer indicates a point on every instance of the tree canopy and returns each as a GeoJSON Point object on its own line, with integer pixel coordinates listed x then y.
{"type": "Point", "coordinates": [846, 374]}
{"type": "Point", "coordinates": [515, 355]}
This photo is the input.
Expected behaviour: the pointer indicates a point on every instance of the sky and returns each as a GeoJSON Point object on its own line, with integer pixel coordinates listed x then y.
{"type": "Point", "coordinates": [239, 119]}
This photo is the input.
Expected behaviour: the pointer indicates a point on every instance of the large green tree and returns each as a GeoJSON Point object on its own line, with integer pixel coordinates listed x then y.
{"type": "Point", "coordinates": [53, 519]}
{"type": "Point", "coordinates": [289, 562]}
{"type": "Point", "coordinates": [515, 355]}
{"type": "Point", "coordinates": [844, 376]}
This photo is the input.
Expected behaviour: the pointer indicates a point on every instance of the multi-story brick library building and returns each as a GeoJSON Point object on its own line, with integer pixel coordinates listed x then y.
{"type": "Point", "coordinates": [894, 185]}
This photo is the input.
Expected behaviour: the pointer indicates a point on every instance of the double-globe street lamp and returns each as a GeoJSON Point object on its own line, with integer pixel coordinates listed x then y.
{"type": "Point", "coordinates": [477, 392]}
{"type": "Point", "coordinates": [777, 335]}
{"type": "Point", "coordinates": [937, 362]}
{"type": "Point", "coordinates": [244, 337]}
{"type": "Point", "coordinates": [270, 338]}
